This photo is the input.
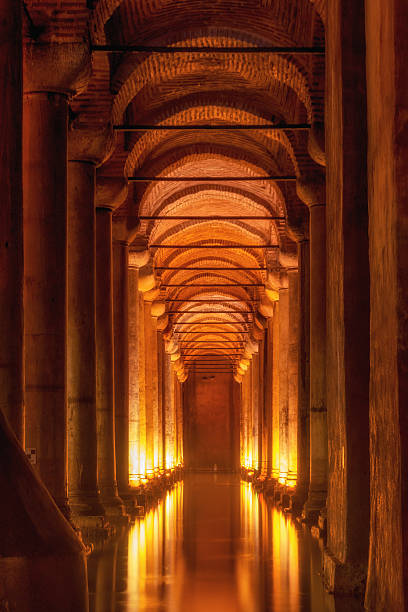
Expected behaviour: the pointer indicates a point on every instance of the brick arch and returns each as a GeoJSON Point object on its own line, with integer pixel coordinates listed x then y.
{"type": "Point", "coordinates": [207, 114]}
{"type": "Point", "coordinates": [209, 201]}
{"type": "Point", "coordinates": [105, 9]}
{"type": "Point", "coordinates": [224, 229]}
{"type": "Point", "coordinates": [156, 193]}
{"type": "Point", "coordinates": [260, 202]}
{"type": "Point", "coordinates": [252, 69]}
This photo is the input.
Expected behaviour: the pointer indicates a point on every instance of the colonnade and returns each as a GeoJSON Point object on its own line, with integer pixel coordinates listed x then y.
{"type": "Point", "coordinates": [78, 309]}
{"type": "Point", "coordinates": [155, 394]}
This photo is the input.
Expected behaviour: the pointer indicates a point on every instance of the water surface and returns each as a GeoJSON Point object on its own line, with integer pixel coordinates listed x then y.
{"type": "Point", "coordinates": [211, 545]}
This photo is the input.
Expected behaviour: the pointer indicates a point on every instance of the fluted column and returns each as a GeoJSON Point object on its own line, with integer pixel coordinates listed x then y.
{"type": "Point", "coordinates": [11, 212]}
{"type": "Point", "coordinates": [53, 73]}
{"type": "Point", "coordinates": [86, 149]}
{"type": "Point", "coordinates": [109, 195]}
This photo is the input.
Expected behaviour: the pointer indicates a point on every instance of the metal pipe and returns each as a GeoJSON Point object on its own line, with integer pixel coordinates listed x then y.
{"type": "Point", "coordinates": [205, 179]}
{"type": "Point", "coordinates": [247, 300]}
{"type": "Point", "coordinates": [210, 217]}
{"type": "Point", "coordinates": [211, 323]}
{"type": "Point", "coordinates": [293, 50]}
{"type": "Point", "coordinates": [212, 285]}
{"type": "Point", "coordinates": [205, 269]}
{"type": "Point", "coordinates": [214, 246]}
{"type": "Point", "coordinates": [205, 126]}
{"type": "Point", "coordinates": [209, 312]}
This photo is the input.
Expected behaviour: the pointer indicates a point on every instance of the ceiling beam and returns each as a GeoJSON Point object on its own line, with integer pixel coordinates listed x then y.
{"type": "Point", "coordinates": [214, 246]}
{"type": "Point", "coordinates": [210, 218]}
{"type": "Point", "coordinates": [206, 179]}
{"type": "Point", "coordinates": [138, 127]}
{"type": "Point", "coordinates": [276, 49]}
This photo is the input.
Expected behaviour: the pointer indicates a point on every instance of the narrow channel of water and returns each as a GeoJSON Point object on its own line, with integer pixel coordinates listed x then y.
{"type": "Point", "coordinates": [211, 545]}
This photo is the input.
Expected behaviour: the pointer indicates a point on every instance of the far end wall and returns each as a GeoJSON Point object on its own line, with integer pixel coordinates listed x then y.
{"type": "Point", "coordinates": [211, 422]}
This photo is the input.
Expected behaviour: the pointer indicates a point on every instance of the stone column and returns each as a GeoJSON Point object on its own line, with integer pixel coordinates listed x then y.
{"type": "Point", "coordinates": [293, 375]}
{"type": "Point", "coordinates": [268, 406]}
{"type": "Point", "coordinates": [11, 212]}
{"type": "Point", "coordinates": [255, 433]}
{"type": "Point", "coordinates": [109, 195]}
{"type": "Point", "coordinates": [387, 163]}
{"type": "Point", "coordinates": [303, 428]}
{"type": "Point", "coordinates": [152, 402]}
{"type": "Point", "coordinates": [275, 392]}
{"type": "Point", "coordinates": [312, 192]}
{"type": "Point", "coordinates": [348, 301]}
{"type": "Point", "coordinates": [170, 416]}
{"type": "Point", "coordinates": [137, 404]}
{"type": "Point", "coordinates": [283, 380]}
{"type": "Point", "coordinates": [161, 414]}
{"type": "Point", "coordinates": [123, 231]}
{"type": "Point", "coordinates": [53, 73]}
{"type": "Point", "coordinates": [86, 149]}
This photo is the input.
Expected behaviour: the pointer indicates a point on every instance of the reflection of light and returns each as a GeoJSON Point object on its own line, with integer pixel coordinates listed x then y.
{"type": "Point", "coordinates": [152, 552]}
{"type": "Point", "coordinates": [269, 554]}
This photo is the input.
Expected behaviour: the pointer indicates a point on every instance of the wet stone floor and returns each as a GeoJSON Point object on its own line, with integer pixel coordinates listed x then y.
{"type": "Point", "coordinates": [211, 545]}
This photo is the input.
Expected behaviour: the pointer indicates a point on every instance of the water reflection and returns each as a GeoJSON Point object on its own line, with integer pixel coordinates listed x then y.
{"type": "Point", "coordinates": [214, 545]}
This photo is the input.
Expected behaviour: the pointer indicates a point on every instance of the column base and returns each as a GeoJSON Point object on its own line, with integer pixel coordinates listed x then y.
{"type": "Point", "coordinates": [86, 505]}
{"type": "Point", "coordinates": [343, 578]}
{"type": "Point", "coordinates": [316, 501]}
{"type": "Point", "coordinates": [114, 509]}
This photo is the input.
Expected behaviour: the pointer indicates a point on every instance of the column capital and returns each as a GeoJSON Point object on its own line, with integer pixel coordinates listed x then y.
{"type": "Point", "coordinates": [124, 230]}
{"type": "Point", "coordinates": [311, 188]}
{"type": "Point", "coordinates": [151, 295]}
{"type": "Point", "coordinates": [277, 279]}
{"type": "Point", "coordinates": [110, 192]}
{"type": "Point", "coordinates": [147, 280]}
{"type": "Point", "coordinates": [162, 322]}
{"type": "Point", "coordinates": [138, 258]}
{"type": "Point", "coordinates": [288, 255]}
{"type": "Point", "coordinates": [158, 308]}
{"type": "Point", "coordinates": [63, 68]}
{"type": "Point", "coordinates": [92, 145]}
{"type": "Point", "coordinates": [316, 143]}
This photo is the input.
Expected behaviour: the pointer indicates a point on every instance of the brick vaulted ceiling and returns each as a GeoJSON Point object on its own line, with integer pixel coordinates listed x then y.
{"type": "Point", "coordinates": [204, 88]}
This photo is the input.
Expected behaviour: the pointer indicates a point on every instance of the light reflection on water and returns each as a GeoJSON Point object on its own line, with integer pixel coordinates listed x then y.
{"type": "Point", "coordinates": [214, 545]}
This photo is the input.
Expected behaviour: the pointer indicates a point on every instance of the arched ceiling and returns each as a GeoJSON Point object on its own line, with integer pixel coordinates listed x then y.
{"type": "Point", "coordinates": [201, 88]}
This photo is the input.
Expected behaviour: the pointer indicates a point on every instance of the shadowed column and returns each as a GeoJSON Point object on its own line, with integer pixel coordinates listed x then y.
{"type": "Point", "coordinates": [11, 229]}
{"type": "Point", "coordinates": [86, 149]}
{"type": "Point", "coordinates": [53, 73]}
{"type": "Point", "coordinates": [110, 194]}
{"type": "Point", "coordinates": [312, 192]}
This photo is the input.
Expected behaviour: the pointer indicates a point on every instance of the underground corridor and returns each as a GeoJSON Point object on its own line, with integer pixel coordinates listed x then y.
{"type": "Point", "coordinates": [203, 306]}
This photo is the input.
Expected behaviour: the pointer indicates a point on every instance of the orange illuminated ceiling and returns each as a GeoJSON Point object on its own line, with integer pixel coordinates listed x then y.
{"type": "Point", "coordinates": [218, 89]}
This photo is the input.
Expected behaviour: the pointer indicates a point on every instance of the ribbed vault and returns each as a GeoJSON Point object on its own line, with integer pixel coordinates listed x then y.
{"type": "Point", "coordinates": [214, 264]}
